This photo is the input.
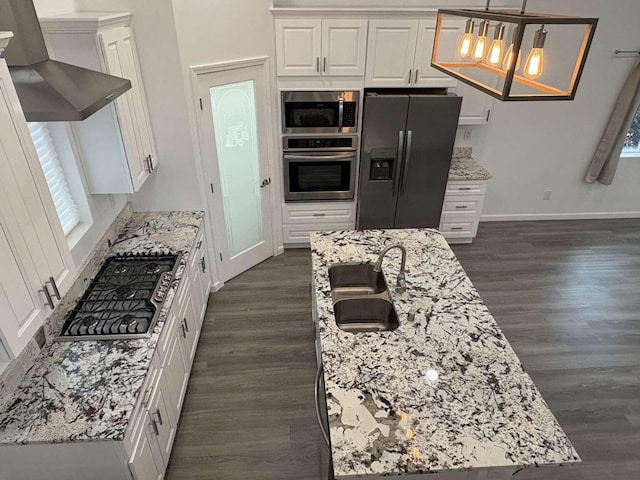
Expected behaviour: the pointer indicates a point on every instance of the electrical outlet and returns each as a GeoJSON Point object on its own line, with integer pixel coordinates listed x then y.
{"type": "Point", "coordinates": [467, 133]}
{"type": "Point", "coordinates": [547, 195]}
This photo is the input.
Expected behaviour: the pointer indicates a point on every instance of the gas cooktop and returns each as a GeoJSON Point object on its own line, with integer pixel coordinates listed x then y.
{"type": "Point", "coordinates": [123, 301]}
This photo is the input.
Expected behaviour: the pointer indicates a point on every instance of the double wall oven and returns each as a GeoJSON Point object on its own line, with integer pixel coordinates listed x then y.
{"type": "Point", "coordinates": [320, 144]}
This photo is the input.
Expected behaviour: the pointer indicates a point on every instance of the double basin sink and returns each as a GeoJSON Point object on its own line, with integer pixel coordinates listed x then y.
{"type": "Point", "coordinates": [361, 299]}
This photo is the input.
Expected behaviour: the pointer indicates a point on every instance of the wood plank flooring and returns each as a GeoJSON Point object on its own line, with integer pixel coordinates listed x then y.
{"type": "Point", "coordinates": [566, 294]}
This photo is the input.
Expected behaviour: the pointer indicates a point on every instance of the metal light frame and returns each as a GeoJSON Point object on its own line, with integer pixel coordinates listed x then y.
{"type": "Point", "coordinates": [521, 20]}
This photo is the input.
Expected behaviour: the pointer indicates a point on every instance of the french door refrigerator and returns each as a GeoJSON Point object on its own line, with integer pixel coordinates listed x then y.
{"type": "Point", "coordinates": [407, 144]}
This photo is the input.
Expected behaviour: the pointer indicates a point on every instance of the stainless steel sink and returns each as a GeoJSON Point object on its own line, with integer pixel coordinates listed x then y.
{"type": "Point", "coordinates": [365, 315]}
{"type": "Point", "coordinates": [361, 299]}
{"type": "Point", "coordinates": [356, 279]}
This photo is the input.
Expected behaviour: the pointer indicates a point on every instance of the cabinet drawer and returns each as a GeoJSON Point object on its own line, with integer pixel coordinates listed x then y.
{"type": "Point", "coordinates": [462, 204]}
{"type": "Point", "coordinates": [300, 233]}
{"type": "Point", "coordinates": [464, 187]}
{"type": "Point", "coordinates": [463, 228]}
{"type": "Point", "coordinates": [136, 421]}
{"type": "Point", "coordinates": [312, 213]}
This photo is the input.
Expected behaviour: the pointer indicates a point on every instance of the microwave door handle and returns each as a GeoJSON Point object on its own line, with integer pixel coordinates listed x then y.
{"type": "Point", "coordinates": [346, 156]}
{"type": "Point", "coordinates": [398, 169]}
{"type": "Point", "coordinates": [340, 113]}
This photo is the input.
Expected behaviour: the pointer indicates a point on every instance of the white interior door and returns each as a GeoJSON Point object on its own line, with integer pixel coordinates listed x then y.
{"type": "Point", "coordinates": [233, 134]}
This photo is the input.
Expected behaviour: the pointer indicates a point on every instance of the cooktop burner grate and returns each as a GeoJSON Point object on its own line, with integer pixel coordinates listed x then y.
{"type": "Point", "coordinates": [123, 300]}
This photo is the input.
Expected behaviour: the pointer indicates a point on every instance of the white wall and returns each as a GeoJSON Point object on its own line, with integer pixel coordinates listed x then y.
{"type": "Point", "coordinates": [528, 147]}
{"type": "Point", "coordinates": [533, 147]}
{"type": "Point", "coordinates": [174, 185]}
{"type": "Point", "coordinates": [54, 7]}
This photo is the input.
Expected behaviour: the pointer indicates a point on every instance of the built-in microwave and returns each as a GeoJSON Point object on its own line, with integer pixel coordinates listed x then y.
{"type": "Point", "coordinates": [319, 168]}
{"type": "Point", "coordinates": [320, 111]}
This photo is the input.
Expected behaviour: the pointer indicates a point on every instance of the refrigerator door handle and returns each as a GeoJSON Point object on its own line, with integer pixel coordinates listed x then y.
{"type": "Point", "coordinates": [406, 161]}
{"type": "Point", "coordinates": [397, 169]}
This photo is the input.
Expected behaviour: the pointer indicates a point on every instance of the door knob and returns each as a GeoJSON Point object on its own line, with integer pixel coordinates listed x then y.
{"type": "Point", "coordinates": [265, 182]}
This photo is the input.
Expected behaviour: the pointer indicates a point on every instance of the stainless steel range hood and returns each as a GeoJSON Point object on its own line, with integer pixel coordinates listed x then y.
{"type": "Point", "coordinates": [49, 90]}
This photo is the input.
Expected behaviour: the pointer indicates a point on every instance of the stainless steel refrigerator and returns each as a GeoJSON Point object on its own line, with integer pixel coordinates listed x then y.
{"type": "Point", "coordinates": [407, 144]}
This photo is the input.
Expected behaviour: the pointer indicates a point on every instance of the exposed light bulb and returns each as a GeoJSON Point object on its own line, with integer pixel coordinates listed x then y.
{"type": "Point", "coordinates": [534, 66]}
{"type": "Point", "coordinates": [508, 59]}
{"type": "Point", "coordinates": [497, 47]}
{"type": "Point", "coordinates": [509, 56]}
{"type": "Point", "coordinates": [480, 48]}
{"type": "Point", "coordinates": [535, 63]}
{"type": "Point", "coordinates": [464, 47]}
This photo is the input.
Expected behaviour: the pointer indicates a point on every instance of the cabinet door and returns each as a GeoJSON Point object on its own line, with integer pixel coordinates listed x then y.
{"type": "Point", "coordinates": [176, 372]}
{"type": "Point", "coordinates": [31, 236]}
{"type": "Point", "coordinates": [163, 421]}
{"type": "Point", "coordinates": [476, 105]}
{"type": "Point", "coordinates": [121, 60]}
{"type": "Point", "coordinates": [298, 46]}
{"type": "Point", "coordinates": [424, 75]}
{"type": "Point", "coordinates": [390, 52]}
{"type": "Point", "coordinates": [344, 46]}
{"type": "Point", "coordinates": [21, 310]}
{"type": "Point", "coordinates": [142, 463]}
{"type": "Point", "coordinates": [189, 330]}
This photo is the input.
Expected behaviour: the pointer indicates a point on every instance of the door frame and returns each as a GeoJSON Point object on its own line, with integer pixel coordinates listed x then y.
{"type": "Point", "coordinates": [196, 71]}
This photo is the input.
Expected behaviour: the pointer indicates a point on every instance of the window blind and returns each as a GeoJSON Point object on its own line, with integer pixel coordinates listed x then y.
{"type": "Point", "coordinates": [62, 198]}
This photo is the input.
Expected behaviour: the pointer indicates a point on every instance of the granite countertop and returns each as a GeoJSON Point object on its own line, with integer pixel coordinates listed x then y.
{"type": "Point", "coordinates": [446, 392]}
{"type": "Point", "coordinates": [87, 390]}
{"type": "Point", "coordinates": [465, 167]}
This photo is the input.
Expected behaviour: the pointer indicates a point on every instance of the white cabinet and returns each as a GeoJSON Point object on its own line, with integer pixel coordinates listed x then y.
{"type": "Point", "coordinates": [463, 200]}
{"type": "Point", "coordinates": [116, 143]}
{"type": "Point", "coordinates": [476, 105]}
{"type": "Point", "coordinates": [143, 464]}
{"type": "Point", "coordinates": [399, 54]}
{"type": "Point", "coordinates": [301, 218]}
{"type": "Point", "coordinates": [314, 46]}
{"type": "Point", "coordinates": [34, 251]}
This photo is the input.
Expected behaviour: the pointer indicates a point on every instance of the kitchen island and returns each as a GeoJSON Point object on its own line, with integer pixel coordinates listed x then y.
{"type": "Point", "coordinates": [444, 393]}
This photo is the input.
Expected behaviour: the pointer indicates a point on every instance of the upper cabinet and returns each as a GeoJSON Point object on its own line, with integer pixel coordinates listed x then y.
{"type": "Point", "coordinates": [399, 54]}
{"type": "Point", "coordinates": [117, 145]}
{"type": "Point", "coordinates": [314, 46]}
{"type": "Point", "coordinates": [36, 267]}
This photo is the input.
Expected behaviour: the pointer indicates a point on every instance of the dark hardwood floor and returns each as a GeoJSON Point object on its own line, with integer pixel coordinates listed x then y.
{"type": "Point", "coordinates": [566, 295]}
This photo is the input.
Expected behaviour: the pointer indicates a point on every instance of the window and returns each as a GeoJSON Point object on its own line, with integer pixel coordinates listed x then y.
{"type": "Point", "coordinates": [63, 200]}
{"type": "Point", "coordinates": [632, 142]}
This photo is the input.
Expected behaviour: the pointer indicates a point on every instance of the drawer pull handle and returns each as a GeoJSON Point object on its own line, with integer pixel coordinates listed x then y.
{"type": "Point", "coordinates": [184, 333]}
{"type": "Point", "coordinates": [462, 206]}
{"type": "Point", "coordinates": [184, 322]}
{"type": "Point", "coordinates": [157, 418]}
{"type": "Point", "coordinates": [457, 228]}
{"type": "Point", "coordinates": [49, 302]}
{"type": "Point", "coordinates": [199, 245]}
{"type": "Point", "coordinates": [155, 427]}
{"type": "Point", "coordinates": [145, 398]}
{"type": "Point", "coordinates": [465, 188]}
{"type": "Point", "coordinates": [319, 214]}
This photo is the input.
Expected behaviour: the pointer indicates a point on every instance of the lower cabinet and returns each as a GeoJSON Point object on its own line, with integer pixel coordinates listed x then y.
{"type": "Point", "coordinates": [463, 200]}
{"type": "Point", "coordinates": [144, 452]}
{"type": "Point", "coordinates": [300, 219]}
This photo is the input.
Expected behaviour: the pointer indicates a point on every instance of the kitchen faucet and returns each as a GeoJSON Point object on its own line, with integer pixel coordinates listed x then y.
{"type": "Point", "coordinates": [401, 284]}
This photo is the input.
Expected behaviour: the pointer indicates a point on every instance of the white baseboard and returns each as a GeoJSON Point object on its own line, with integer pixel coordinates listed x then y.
{"type": "Point", "coordinates": [217, 285]}
{"type": "Point", "coordinates": [516, 217]}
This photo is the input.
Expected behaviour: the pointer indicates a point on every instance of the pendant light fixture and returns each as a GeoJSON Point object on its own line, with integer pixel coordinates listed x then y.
{"type": "Point", "coordinates": [546, 75]}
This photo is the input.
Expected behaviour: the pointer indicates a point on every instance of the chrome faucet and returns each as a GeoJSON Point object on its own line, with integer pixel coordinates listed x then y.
{"type": "Point", "coordinates": [401, 284]}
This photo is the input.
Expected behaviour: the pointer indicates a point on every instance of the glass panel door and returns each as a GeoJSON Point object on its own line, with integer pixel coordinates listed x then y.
{"type": "Point", "coordinates": [235, 125]}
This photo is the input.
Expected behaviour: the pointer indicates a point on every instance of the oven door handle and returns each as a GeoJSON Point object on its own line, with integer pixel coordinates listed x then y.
{"type": "Point", "coordinates": [345, 156]}
{"type": "Point", "coordinates": [340, 113]}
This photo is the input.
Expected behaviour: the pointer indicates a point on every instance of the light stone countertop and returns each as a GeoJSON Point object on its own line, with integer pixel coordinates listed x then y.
{"type": "Point", "coordinates": [444, 393]}
{"type": "Point", "coordinates": [87, 390]}
{"type": "Point", "coordinates": [465, 167]}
